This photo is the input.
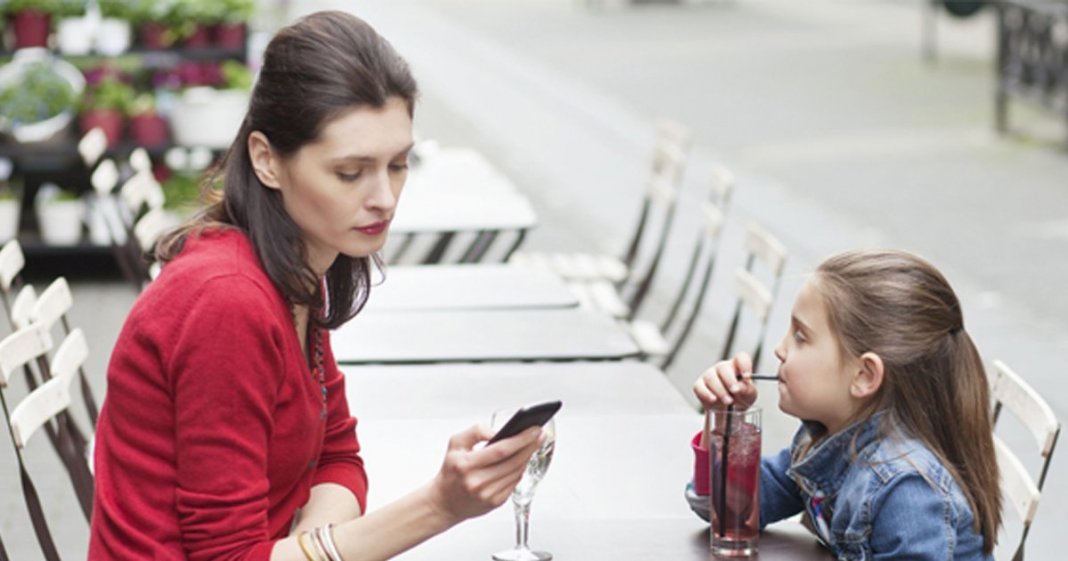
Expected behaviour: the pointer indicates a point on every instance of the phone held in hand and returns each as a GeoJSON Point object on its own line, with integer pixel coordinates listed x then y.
{"type": "Point", "coordinates": [526, 417]}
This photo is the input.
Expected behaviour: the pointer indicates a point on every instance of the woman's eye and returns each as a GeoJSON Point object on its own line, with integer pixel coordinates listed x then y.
{"type": "Point", "coordinates": [348, 176]}
{"type": "Point", "coordinates": [399, 167]}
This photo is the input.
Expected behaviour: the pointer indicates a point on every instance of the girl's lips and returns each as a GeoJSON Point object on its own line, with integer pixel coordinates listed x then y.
{"type": "Point", "coordinates": [374, 229]}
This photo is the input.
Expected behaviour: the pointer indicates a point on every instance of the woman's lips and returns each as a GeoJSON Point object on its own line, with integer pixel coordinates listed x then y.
{"type": "Point", "coordinates": [374, 229]}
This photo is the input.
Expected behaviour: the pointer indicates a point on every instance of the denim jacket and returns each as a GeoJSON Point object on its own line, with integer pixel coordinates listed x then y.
{"type": "Point", "coordinates": [875, 498]}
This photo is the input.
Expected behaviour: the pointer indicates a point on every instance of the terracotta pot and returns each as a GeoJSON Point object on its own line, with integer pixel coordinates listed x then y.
{"type": "Point", "coordinates": [148, 130]}
{"type": "Point", "coordinates": [230, 36]}
{"type": "Point", "coordinates": [108, 120]}
{"type": "Point", "coordinates": [199, 39]}
{"type": "Point", "coordinates": [153, 36]}
{"type": "Point", "coordinates": [31, 28]}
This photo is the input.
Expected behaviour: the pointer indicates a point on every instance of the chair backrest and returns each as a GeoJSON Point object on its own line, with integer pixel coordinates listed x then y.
{"type": "Point", "coordinates": [150, 227]}
{"type": "Point", "coordinates": [141, 190]}
{"type": "Point", "coordinates": [1019, 488]}
{"type": "Point", "coordinates": [764, 249]}
{"type": "Point", "coordinates": [52, 304]}
{"type": "Point", "coordinates": [52, 397]}
{"type": "Point", "coordinates": [12, 261]}
{"type": "Point", "coordinates": [92, 146]}
{"type": "Point", "coordinates": [22, 307]}
{"type": "Point", "coordinates": [140, 161]}
{"type": "Point", "coordinates": [20, 348]}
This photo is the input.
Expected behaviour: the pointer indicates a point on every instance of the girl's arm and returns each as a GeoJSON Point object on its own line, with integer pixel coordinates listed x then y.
{"type": "Point", "coordinates": [780, 497]}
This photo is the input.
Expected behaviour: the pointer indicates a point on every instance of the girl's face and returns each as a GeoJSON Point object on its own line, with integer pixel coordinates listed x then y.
{"type": "Point", "coordinates": [342, 189]}
{"type": "Point", "coordinates": [814, 377]}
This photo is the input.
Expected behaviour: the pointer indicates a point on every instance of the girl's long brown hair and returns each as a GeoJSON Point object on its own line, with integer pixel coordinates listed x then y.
{"type": "Point", "coordinates": [317, 69]}
{"type": "Point", "coordinates": [901, 308]}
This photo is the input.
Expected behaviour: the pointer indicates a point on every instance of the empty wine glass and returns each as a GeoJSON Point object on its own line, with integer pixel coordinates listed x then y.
{"type": "Point", "coordinates": [524, 492]}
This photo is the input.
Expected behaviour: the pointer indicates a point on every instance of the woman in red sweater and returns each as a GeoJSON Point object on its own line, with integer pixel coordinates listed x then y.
{"type": "Point", "coordinates": [225, 433]}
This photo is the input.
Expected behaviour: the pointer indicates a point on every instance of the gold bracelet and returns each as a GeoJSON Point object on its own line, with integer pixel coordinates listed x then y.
{"type": "Point", "coordinates": [304, 550]}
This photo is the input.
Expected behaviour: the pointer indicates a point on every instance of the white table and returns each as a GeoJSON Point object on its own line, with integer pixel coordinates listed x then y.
{"type": "Point", "coordinates": [481, 335]}
{"type": "Point", "coordinates": [614, 490]}
{"type": "Point", "coordinates": [472, 286]}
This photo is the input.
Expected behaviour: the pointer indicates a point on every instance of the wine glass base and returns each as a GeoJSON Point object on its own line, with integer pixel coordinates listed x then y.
{"type": "Point", "coordinates": [522, 555]}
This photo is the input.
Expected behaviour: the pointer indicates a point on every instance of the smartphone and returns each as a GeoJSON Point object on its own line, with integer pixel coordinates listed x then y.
{"type": "Point", "coordinates": [526, 417]}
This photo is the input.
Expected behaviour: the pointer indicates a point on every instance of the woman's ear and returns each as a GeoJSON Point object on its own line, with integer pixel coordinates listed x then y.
{"type": "Point", "coordinates": [264, 161]}
{"type": "Point", "coordinates": [869, 378]}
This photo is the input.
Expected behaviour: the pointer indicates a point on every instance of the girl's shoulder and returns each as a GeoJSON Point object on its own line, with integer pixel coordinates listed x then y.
{"type": "Point", "coordinates": [895, 458]}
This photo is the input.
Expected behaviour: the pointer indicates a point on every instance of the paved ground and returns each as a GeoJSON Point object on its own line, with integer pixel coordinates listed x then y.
{"type": "Point", "coordinates": [840, 134]}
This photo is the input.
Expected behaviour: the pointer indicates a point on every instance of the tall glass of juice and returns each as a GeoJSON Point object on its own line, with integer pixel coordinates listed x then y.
{"type": "Point", "coordinates": [734, 458]}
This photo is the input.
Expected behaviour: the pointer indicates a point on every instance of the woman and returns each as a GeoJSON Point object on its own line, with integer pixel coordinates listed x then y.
{"type": "Point", "coordinates": [226, 434]}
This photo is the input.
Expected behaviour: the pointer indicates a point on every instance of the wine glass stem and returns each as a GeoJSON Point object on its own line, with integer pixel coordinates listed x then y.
{"type": "Point", "coordinates": [522, 524]}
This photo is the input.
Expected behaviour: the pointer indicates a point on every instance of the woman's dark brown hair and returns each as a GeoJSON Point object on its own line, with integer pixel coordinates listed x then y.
{"type": "Point", "coordinates": [315, 70]}
{"type": "Point", "coordinates": [934, 388]}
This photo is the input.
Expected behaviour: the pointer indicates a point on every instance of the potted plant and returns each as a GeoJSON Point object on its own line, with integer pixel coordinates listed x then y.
{"type": "Point", "coordinates": [113, 31]}
{"type": "Point", "coordinates": [59, 215]}
{"type": "Point", "coordinates": [105, 105]}
{"type": "Point", "coordinates": [37, 95]}
{"type": "Point", "coordinates": [74, 31]}
{"type": "Point", "coordinates": [147, 127]}
{"type": "Point", "coordinates": [230, 31]}
{"type": "Point", "coordinates": [210, 117]}
{"type": "Point", "coordinates": [193, 18]}
{"type": "Point", "coordinates": [30, 21]}
{"type": "Point", "coordinates": [157, 22]}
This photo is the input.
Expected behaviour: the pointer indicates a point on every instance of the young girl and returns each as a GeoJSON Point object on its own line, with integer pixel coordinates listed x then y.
{"type": "Point", "coordinates": [226, 433]}
{"type": "Point", "coordinates": [895, 455]}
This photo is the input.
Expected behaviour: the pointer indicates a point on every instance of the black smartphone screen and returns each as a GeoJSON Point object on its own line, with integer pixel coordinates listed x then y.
{"type": "Point", "coordinates": [526, 417]}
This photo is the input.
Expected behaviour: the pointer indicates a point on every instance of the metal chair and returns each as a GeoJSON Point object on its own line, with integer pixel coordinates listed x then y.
{"type": "Point", "coordinates": [46, 407]}
{"type": "Point", "coordinates": [656, 213]}
{"type": "Point", "coordinates": [1018, 487]}
{"type": "Point", "coordinates": [51, 307]}
{"type": "Point", "coordinates": [12, 261]}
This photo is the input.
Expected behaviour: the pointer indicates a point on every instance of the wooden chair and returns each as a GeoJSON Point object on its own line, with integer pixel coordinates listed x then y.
{"type": "Point", "coordinates": [641, 257]}
{"type": "Point", "coordinates": [46, 407]}
{"type": "Point", "coordinates": [51, 308]}
{"type": "Point", "coordinates": [12, 261]}
{"type": "Point", "coordinates": [17, 352]}
{"type": "Point", "coordinates": [1019, 489]}
{"type": "Point", "coordinates": [662, 344]}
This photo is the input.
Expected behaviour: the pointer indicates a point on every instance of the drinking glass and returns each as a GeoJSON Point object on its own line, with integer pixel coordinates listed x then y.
{"type": "Point", "coordinates": [734, 457]}
{"type": "Point", "coordinates": [524, 492]}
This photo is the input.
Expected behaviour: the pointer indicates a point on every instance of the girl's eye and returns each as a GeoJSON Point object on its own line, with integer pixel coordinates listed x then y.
{"type": "Point", "coordinates": [348, 176]}
{"type": "Point", "coordinates": [798, 336]}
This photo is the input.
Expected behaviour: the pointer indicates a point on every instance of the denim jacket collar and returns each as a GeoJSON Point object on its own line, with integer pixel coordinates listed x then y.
{"type": "Point", "coordinates": [827, 463]}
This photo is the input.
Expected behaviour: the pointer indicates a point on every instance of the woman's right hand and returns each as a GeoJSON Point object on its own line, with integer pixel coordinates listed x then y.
{"type": "Point", "coordinates": [727, 383]}
{"type": "Point", "coordinates": [473, 482]}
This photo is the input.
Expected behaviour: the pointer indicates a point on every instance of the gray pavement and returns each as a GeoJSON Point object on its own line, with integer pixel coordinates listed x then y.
{"type": "Point", "coordinates": [841, 137]}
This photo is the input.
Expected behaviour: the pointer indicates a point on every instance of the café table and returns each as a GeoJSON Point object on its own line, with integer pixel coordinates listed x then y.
{"type": "Point", "coordinates": [481, 335]}
{"type": "Point", "coordinates": [467, 287]}
{"type": "Point", "coordinates": [615, 488]}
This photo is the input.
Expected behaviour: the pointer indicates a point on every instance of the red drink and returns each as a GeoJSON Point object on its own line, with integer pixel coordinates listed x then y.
{"type": "Point", "coordinates": [735, 497]}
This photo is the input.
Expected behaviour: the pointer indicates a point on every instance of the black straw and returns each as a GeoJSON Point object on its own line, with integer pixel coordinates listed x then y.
{"type": "Point", "coordinates": [723, 474]}
{"type": "Point", "coordinates": [770, 377]}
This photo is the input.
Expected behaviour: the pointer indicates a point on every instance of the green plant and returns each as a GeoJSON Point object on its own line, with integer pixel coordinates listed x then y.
{"type": "Point", "coordinates": [64, 195]}
{"type": "Point", "coordinates": [181, 191]}
{"type": "Point", "coordinates": [143, 104]}
{"type": "Point", "coordinates": [58, 8]}
{"type": "Point", "coordinates": [236, 76]}
{"type": "Point", "coordinates": [119, 9]}
{"type": "Point", "coordinates": [236, 11]}
{"type": "Point", "coordinates": [39, 94]}
{"type": "Point", "coordinates": [109, 93]}
{"type": "Point", "coordinates": [7, 194]}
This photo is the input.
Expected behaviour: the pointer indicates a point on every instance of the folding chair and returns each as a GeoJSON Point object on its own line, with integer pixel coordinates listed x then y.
{"type": "Point", "coordinates": [40, 408]}
{"type": "Point", "coordinates": [1019, 489]}
{"type": "Point", "coordinates": [51, 307]}
{"type": "Point", "coordinates": [657, 211]}
{"type": "Point", "coordinates": [12, 261]}
{"type": "Point", "coordinates": [18, 351]}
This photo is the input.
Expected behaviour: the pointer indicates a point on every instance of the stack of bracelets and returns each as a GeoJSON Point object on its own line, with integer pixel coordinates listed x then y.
{"type": "Point", "coordinates": [321, 544]}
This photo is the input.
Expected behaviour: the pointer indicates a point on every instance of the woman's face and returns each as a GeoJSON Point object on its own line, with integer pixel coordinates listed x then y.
{"type": "Point", "coordinates": [342, 189]}
{"type": "Point", "coordinates": [815, 376]}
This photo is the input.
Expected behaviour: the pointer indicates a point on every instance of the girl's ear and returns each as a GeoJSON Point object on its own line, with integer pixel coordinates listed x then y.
{"type": "Point", "coordinates": [869, 378]}
{"type": "Point", "coordinates": [263, 159]}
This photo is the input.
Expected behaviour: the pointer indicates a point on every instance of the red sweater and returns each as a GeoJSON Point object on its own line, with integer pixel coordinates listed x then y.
{"type": "Point", "coordinates": [212, 434]}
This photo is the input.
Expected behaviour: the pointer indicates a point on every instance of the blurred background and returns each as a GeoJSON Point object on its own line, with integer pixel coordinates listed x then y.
{"type": "Point", "coordinates": [845, 123]}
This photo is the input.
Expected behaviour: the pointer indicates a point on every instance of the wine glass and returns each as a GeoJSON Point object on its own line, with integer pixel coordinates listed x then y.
{"type": "Point", "coordinates": [524, 492]}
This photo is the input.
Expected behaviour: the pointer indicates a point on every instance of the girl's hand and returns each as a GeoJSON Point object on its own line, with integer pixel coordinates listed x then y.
{"type": "Point", "coordinates": [473, 482]}
{"type": "Point", "coordinates": [727, 383]}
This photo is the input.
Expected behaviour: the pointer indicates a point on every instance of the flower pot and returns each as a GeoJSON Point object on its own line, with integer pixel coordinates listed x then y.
{"type": "Point", "coordinates": [199, 39]}
{"type": "Point", "coordinates": [14, 73]}
{"type": "Point", "coordinates": [9, 219]}
{"type": "Point", "coordinates": [74, 36]}
{"type": "Point", "coordinates": [108, 120]}
{"type": "Point", "coordinates": [113, 36]}
{"type": "Point", "coordinates": [154, 36]}
{"type": "Point", "coordinates": [31, 28]}
{"type": "Point", "coordinates": [230, 36]}
{"type": "Point", "coordinates": [208, 117]}
{"type": "Point", "coordinates": [148, 130]}
{"type": "Point", "coordinates": [60, 221]}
